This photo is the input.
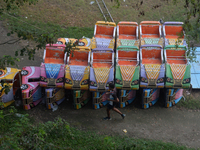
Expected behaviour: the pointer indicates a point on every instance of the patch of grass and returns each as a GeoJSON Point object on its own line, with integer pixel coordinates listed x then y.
{"type": "Point", "coordinates": [80, 13]}
{"type": "Point", "coordinates": [76, 18]}
{"type": "Point", "coordinates": [10, 119]}
{"type": "Point", "coordinates": [22, 134]}
{"type": "Point", "coordinates": [189, 104]}
{"type": "Point", "coordinates": [42, 27]}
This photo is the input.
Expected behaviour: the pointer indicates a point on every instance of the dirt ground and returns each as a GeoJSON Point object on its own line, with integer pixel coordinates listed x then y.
{"type": "Point", "coordinates": [175, 125]}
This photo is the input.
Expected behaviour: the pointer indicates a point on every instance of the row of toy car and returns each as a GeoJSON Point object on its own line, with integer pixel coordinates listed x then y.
{"type": "Point", "coordinates": [178, 75]}
{"type": "Point", "coordinates": [98, 69]}
{"type": "Point", "coordinates": [104, 33]}
{"type": "Point", "coordinates": [150, 32]}
{"type": "Point", "coordinates": [130, 34]}
{"type": "Point", "coordinates": [102, 64]}
{"type": "Point", "coordinates": [152, 72]}
{"type": "Point", "coordinates": [167, 69]}
{"type": "Point", "coordinates": [127, 62]}
{"type": "Point", "coordinates": [127, 68]}
{"type": "Point", "coordinates": [77, 71]}
{"type": "Point", "coordinates": [102, 61]}
{"type": "Point", "coordinates": [57, 73]}
{"type": "Point", "coordinates": [137, 54]}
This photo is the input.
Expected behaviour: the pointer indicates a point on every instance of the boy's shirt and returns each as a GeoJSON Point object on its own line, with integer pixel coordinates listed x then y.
{"type": "Point", "coordinates": [113, 96]}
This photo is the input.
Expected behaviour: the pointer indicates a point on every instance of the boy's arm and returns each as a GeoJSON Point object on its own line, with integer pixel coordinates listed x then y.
{"type": "Point", "coordinates": [115, 99]}
{"type": "Point", "coordinates": [107, 93]}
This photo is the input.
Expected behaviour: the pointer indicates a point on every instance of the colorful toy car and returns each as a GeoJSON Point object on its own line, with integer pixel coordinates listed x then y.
{"type": "Point", "coordinates": [127, 34]}
{"type": "Point", "coordinates": [86, 42]}
{"type": "Point", "coordinates": [101, 74]}
{"type": "Point", "coordinates": [10, 78]}
{"type": "Point", "coordinates": [104, 35]}
{"type": "Point", "coordinates": [32, 92]}
{"type": "Point", "coordinates": [77, 74]}
{"type": "Point", "coordinates": [178, 74]}
{"type": "Point", "coordinates": [152, 73]}
{"type": "Point", "coordinates": [173, 33]}
{"type": "Point", "coordinates": [150, 33]}
{"type": "Point", "coordinates": [52, 74]}
{"type": "Point", "coordinates": [127, 73]}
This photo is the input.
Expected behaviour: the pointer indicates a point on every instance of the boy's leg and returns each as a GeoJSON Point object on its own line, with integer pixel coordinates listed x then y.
{"type": "Point", "coordinates": [108, 113]}
{"type": "Point", "coordinates": [117, 110]}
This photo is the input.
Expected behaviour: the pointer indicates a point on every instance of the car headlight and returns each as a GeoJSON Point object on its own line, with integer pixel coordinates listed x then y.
{"type": "Point", "coordinates": [169, 80]}
{"type": "Point", "coordinates": [24, 87]}
{"type": "Point", "coordinates": [135, 82]}
{"type": "Point", "coordinates": [107, 85]}
{"type": "Point", "coordinates": [161, 80]}
{"type": "Point", "coordinates": [92, 83]}
{"type": "Point", "coordinates": [186, 80]}
{"type": "Point", "coordinates": [59, 42]}
{"type": "Point", "coordinates": [118, 81]}
{"type": "Point", "coordinates": [68, 81]}
{"type": "Point", "coordinates": [43, 79]}
{"type": "Point", "coordinates": [143, 80]}
{"type": "Point", "coordinates": [59, 80]}
{"type": "Point", "coordinates": [84, 82]}
{"type": "Point", "coordinates": [24, 72]}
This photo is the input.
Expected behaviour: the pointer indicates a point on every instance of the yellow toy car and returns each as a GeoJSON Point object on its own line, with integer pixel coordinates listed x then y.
{"type": "Point", "coordinates": [10, 79]}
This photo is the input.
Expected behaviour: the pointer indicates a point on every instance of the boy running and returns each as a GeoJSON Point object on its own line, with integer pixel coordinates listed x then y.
{"type": "Point", "coordinates": [113, 100]}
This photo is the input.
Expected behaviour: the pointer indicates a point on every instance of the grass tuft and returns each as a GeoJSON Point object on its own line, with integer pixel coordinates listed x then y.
{"type": "Point", "coordinates": [189, 104]}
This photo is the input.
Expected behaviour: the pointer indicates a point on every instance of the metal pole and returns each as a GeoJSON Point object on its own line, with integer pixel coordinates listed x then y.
{"type": "Point", "coordinates": [107, 10]}
{"type": "Point", "coordinates": [101, 10]}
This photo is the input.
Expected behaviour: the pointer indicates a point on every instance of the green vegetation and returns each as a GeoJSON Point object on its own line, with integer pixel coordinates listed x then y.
{"type": "Point", "coordinates": [189, 103]}
{"type": "Point", "coordinates": [18, 131]}
{"type": "Point", "coordinates": [37, 28]}
{"type": "Point", "coordinates": [81, 13]}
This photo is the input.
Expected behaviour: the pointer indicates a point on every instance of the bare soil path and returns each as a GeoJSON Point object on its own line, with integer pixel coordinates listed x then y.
{"type": "Point", "coordinates": [175, 125]}
{"type": "Point", "coordinates": [9, 49]}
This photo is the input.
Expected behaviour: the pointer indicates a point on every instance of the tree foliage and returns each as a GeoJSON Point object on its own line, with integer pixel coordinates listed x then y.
{"type": "Point", "coordinates": [191, 25]}
{"type": "Point", "coordinates": [8, 5]}
{"type": "Point", "coordinates": [27, 31]}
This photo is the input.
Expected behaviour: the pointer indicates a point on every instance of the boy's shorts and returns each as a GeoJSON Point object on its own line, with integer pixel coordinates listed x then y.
{"type": "Point", "coordinates": [110, 106]}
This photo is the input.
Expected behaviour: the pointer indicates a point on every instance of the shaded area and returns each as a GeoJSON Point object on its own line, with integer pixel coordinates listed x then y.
{"type": "Point", "coordinates": [175, 125]}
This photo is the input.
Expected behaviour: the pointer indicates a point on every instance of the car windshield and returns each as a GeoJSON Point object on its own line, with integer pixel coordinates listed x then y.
{"type": "Point", "coordinates": [34, 80]}
{"type": "Point", "coordinates": [6, 81]}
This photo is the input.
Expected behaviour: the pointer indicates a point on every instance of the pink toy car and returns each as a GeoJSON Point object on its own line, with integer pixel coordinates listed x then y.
{"type": "Point", "coordinates": [53, 67]}
{"type": "Point", "coordinates": [32, 93]}
{"type": "Point", "coordinates": [52, 74]}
